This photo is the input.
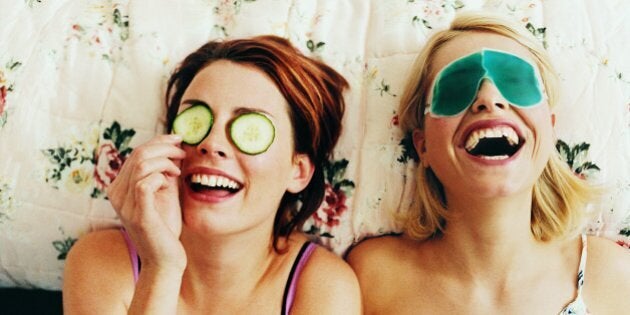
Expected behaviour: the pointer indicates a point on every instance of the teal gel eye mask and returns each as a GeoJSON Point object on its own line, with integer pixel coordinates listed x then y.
{"type": "Point", "coordinates": [456, 86]}
{"type": "Point", "coordinates": [252, 133]}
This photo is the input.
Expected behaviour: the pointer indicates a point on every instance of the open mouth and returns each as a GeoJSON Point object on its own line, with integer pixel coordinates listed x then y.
{"type": "Point", "coordinates": [496, 143]}
{"type": "Point", "coordinates": [213, 184]}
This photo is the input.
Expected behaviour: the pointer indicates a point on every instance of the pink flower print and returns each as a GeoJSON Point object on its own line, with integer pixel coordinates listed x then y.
{"type": "Point", "coordinates": [395, 121]}
{"type": "Point", "coordinates": [108, 164]}
{"type": "Point", "coordinates": [3, 98]}
{"type": "Point", "coordinates": [333, 207]}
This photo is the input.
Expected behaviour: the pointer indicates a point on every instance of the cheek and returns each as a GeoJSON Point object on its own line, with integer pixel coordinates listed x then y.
{"type": "Point", "coordinates": [439, 131]}
{"type": "Point", "coordinates": [273, 161]}
{"type": "Point", "coordinates": [541, 117]}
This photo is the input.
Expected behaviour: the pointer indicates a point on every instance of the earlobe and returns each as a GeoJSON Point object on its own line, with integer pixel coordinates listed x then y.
{"type": "Point", "coordinates": [419, 144]}
{"type": "Point", "coordinates": [303, 170]}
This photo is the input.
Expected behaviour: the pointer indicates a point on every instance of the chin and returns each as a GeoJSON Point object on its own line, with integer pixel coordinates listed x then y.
{"type": "Point", "coordinates": [500, 191]}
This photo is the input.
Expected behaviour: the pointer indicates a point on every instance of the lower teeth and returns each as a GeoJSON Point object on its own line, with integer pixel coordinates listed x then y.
{"type": "Point", "coordinates": [494, 157]}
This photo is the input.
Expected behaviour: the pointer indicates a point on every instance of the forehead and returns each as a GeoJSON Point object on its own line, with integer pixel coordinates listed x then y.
{"type": "Point", "coordinates": [468, 43]}
{"type": "Point", "coordinates": [226, 83]}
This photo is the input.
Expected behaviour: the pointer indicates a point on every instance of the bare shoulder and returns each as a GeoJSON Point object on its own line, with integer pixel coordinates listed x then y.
{"type": "Point", "coordinates": [327, 285]}
{"type": "Point", "coordinates": [370, 255]}
{"type": "Point", "coordinates": [383, 266]}
{"type": "Point", "coordinates": [607, 276]}
{"type": "Point", "coordinates": [98, 277]}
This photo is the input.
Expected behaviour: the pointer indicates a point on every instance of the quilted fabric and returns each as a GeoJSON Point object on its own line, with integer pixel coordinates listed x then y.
{"type": "Point", "coordinates": [81, 85]}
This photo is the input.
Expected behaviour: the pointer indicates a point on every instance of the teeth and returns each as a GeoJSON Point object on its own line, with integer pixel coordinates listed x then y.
{"type": "Point", "coordinates": [494, 157]}
{"type": "Point", "coordinates": [214, 181]}
{"type": "Point", "coordinates": [495, 132]}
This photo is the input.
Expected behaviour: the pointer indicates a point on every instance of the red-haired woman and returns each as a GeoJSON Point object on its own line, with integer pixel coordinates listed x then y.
{"type": "Point", "coordinates": [212, 211]}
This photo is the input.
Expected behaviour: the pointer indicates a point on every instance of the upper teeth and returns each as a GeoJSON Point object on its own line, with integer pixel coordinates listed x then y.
{"type": "Point", "coordinates": [214, 181]}
{"type": "Point", "coordinates": [495, 132]}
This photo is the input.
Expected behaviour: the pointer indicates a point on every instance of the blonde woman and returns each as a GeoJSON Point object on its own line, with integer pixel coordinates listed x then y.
{"type": "Point", "coordinates": [497, 225]}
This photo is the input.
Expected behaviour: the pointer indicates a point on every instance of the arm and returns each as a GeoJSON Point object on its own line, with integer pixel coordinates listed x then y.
{"type": "Point", "coordinates": [145, 196]}
{"type": "Point", "coordinates": [98, 277]}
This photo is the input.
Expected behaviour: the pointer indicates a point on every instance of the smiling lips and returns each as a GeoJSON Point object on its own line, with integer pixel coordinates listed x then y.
{"type": "Point", "coordinates": [498, 142]}
{"type": "Point", "coordinates": [213, 186]}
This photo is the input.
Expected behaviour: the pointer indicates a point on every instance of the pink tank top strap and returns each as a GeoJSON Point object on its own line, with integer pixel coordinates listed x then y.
{"type": "Point", "coordinates": [133, 255]}
{"type": "Point", "coordinates": [298, 265]}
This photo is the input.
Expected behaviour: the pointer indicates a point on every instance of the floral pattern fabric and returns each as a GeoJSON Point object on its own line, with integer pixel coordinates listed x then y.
{"type": "Point", "coordinates": [88, 163]}
{"type": "Point", "coordinates": [6, 87]}
{"type": "Point", "coordinates": [81, 85]}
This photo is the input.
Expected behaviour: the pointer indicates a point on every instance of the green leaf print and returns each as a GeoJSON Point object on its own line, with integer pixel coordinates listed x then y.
{"type": "Point", "coordinates": [63, 246]}
{"type": "Point", "coordinates": [575, 157]}
{"type": "Point", "coordinates": [314, 47]}
{"type": "Point", "coordinates": [538, 32]}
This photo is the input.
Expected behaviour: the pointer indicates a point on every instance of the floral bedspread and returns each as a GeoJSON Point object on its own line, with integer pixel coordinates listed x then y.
{"type": "Point", "coordinates": [81, 85]}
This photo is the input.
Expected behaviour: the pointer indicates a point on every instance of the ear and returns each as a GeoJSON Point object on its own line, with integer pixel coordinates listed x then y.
{"type": "Point", "coordinates": [419, 144]}
{"type": "Point", "coordinates": [303, 170]}
{"type": "Point", "coordinates": [553, 120]}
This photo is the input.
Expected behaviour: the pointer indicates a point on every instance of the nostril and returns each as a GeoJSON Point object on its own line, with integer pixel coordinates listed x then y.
{"type": "Point", "coordinates": [481, 107]}
{"type": "Point", "coordinates": [218, 153]}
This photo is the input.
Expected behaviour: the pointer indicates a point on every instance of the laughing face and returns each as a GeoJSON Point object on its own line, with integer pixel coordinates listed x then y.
{"type": "Point", "coordinates": [492, 149]}
{"type": "Point", "coordinates": [224, 190]}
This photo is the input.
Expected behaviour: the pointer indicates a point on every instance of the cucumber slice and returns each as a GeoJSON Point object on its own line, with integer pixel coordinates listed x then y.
{"type": "Point", "coordinates": [252, 133]}
{"type": "Point", "coordinates": [193, 124]}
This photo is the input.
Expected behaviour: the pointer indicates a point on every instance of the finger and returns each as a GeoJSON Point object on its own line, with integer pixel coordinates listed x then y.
{"type": "Point", "coordinates": [168, 139]}
{"type": "Point", "coordinates": [163, 146]}
{"type": "Point", "coordinates": [145, 190]}
{"type": "Point", "coordinates": [156, 147]}
{"type": "Point", "coordinates": [155, 165]}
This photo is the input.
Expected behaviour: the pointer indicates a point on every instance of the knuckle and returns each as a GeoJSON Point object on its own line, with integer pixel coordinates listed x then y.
{"type": "Point", "coordinates": [142, 187]}
{"type": "Point", "coordinates": [141, 167]}
{"type": "Point", "coordinates": [140, 152]}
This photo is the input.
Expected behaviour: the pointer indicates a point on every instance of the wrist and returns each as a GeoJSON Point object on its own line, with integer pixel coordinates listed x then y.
{"type": "Point", "coordinates": [171, 269]}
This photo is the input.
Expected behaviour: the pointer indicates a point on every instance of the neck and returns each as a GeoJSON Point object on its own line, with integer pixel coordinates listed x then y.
{"type": "Point", "coordinates": [489, 237]}
{"type": "Point", "coordinates": [225, 264]}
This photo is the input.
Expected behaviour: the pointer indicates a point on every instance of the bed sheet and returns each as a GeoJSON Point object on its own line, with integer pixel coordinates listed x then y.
{"type": "Point", "coordinates": [81, 85]}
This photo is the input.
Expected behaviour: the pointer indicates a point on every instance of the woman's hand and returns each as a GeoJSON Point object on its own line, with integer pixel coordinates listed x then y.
{"type": "Point", "coordinates": [145, 195]}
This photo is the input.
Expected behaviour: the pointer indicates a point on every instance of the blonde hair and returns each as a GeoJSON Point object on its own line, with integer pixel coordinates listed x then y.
{"type": "Point", "coordinates": [559, 196]}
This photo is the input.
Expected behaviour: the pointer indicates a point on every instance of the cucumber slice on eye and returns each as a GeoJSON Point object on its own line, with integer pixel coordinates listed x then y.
{"type": "Point", "coordinates": [193, 124]}
{"type": "Point", "coordinates": [252, 133]}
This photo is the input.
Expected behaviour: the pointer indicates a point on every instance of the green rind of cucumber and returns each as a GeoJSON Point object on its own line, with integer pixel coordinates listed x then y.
{"type": "Point", "coordinates": [193, 124]}
{"type": "Point", "coordinates": [252, 133]}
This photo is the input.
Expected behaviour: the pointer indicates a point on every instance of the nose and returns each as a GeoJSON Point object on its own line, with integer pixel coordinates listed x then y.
{"type": "Point", "coordinates": [216, 143]}
{"type": "Point", "coordinates": [489, 98]}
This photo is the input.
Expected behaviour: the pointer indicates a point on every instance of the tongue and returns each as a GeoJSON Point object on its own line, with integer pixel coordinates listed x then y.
{"type": "Point", "coordinates": [214, 192]}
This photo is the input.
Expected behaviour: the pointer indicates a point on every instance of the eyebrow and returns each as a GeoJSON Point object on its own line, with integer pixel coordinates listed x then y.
{"type": "Point", "coordinates": [238, 110]}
